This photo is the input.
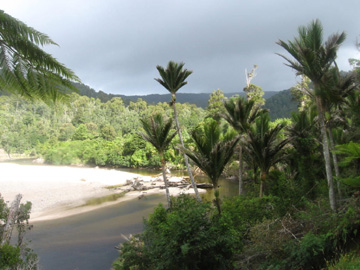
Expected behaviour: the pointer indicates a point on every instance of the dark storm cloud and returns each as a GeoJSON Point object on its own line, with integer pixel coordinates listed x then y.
{"type": "Point", "coordinates": [115, 45]}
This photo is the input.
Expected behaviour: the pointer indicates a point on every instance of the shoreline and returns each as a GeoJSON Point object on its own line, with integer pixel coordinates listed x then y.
{"type": "Point", "coordinates": [62, 191]}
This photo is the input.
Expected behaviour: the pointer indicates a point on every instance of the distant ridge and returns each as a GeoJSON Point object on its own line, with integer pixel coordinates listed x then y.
{"type": "Point", "coordinates": [199, 99]}
{"type": "Point", "coordinates": [280, 104]}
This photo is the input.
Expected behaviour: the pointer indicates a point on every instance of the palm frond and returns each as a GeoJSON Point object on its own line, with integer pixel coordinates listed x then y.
{"type": "Point", "coordinates": [213, 151]}
{"type": "Point", "coordinates": [263, 144]}
{"type": "Point", "coordinates": [27, 70]}
{"type": "Point", "coordinates": [173, 77]}
{"type": "Point", "coordinates": [157, 131]}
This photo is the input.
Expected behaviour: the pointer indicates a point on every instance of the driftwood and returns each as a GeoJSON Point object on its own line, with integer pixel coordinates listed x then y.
{"type": "Point", "coordinates": [204, 185]}
{"type": "Point", "coordinates": [8, 228]}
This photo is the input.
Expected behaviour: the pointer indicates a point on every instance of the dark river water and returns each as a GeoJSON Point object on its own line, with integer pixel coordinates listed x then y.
{"type": "Point", "coordinates": [86, 241]}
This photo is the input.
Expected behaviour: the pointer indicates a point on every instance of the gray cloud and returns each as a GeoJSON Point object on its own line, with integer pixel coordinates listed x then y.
{"type": "Point", "coordinates": [115, 45]}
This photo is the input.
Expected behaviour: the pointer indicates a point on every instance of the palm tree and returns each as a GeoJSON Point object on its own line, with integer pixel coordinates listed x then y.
{"type": "Point", "coordinates": [173, 78]}
{"type": "Point", "coordinates": [340, 87]}
{"type": "Point", "coordinates": [213, 152]}
{"type": "Point", "coordinates": [303, 136]}
{"type": "Point", "coordinates": [158, 133]}
{"type": "Point", "coordinates": [314, 58]}
{"type": "Point", "coordinates": [264, 146]}
{"type": "Point", "coordinates": [27, 70]}
{"type": "Point", "coordinates": [240, 113]}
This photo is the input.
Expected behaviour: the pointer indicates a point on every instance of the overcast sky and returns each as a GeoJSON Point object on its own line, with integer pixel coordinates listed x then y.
{"type": "Point", "coordinates": [115, 45]}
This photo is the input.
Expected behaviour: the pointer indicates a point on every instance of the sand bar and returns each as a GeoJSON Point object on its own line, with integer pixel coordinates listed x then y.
{"type": "Point", "coordinates": [58, 191]}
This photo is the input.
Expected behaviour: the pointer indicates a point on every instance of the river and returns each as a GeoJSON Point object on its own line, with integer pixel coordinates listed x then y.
{"type": "Point", "coordinates": [88, 240]}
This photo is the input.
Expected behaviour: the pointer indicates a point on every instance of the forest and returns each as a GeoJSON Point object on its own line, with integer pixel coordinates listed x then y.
{"type": "Point", "coordinates": [298, 203]}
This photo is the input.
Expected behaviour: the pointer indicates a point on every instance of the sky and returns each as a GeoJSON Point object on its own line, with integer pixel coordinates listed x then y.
{"type": "Point", "coordinates": [115, 45]}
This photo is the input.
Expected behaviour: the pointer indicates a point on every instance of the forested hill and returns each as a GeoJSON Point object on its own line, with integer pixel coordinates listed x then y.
{"type": "Point", "coordinates": [280, 103]}
{"type": "Point", "coordinates": [199, 99]}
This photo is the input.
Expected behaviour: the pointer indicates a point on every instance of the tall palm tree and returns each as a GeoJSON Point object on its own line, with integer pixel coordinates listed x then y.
{"type": "Point", "coordinates": [173, 78]}
{"type": "Point", "coordinates": [27, 70]}
{"type": "Point", "coordinates": [213, 151]}
{"type": "Point", "coordinates": [240, 113]}
{"type": "Point", "coordinates": [158, 133]}
{"type": "Point", "coordinates": [264, 146]}
{"type": "Point", "coordinates": [314, 58]}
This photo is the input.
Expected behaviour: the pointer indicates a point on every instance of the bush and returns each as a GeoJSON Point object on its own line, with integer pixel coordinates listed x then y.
{"type": "Point", "coordinates": [9, 256]}
{"type": "Point", "coordinates": [16, 256]}
{"type": "Point", "coordinates": [241, 212]}
{"type": "Point", "coordinates": [187, 236]}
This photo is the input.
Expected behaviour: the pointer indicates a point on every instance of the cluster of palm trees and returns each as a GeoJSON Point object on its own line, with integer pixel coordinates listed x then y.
{"type": "Point", "coordinates": [214, 148]}
{"type": "Point", "coordinates": [315, 59]}
{"type": "Point", "coordinates": [258, 142]}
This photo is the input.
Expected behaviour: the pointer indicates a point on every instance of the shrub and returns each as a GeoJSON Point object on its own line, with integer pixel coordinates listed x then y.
{"type": "Point", "coordinates": [9, 256]}
{"type": "Point", "coordinates": [186, 236]}
{"type": "Point", "coordinates": [241, 212]}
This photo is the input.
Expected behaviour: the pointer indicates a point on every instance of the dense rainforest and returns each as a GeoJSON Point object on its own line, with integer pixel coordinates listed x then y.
{"type": "Point", "coordinates": [85, 130]}
{"type": "Point", "coordinates": [298, 204]}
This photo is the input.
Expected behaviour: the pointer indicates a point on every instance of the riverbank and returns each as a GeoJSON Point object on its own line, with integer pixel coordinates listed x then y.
{"type": "Point", "coordinates": [59, 191]}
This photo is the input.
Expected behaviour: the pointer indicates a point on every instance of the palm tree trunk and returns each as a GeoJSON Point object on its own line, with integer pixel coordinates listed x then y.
{"type": "Point", "coordinates": [217, 199]}
{"type": "Point", "coordinates": [335, 161]}
{"type": "Point", "coordinates": [326, 154]}
{"type": "Point", "coordinates": [163, 165]}
{"type": "Point", "coordinates": [185, 157]}
{"type": "Point", "coordinates": [262, 181]}
{"type": "Point", "coordinates": [241, 183]}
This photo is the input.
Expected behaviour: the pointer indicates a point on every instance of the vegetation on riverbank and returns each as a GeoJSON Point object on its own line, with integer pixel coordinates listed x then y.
{"type": "Point", "coordinates": [307, 213]}
{"type": "Point", "coordinates": [304, 218]}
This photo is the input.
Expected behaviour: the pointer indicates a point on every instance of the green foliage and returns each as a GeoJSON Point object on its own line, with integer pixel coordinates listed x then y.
{"type": "Point", "coordinates": [264, 148]}
{"type": "Point", "coordinates": [240, 113]}
{"type": "Point", "coordinates": [255, 93]}
{"type": "Point", "coordinates": [351, 151]}
{"type": "Point", "coordinates": [347, 261]}
{"type": "Point", "coordinates": [309, 253]}
{"type": "Point", "coordinates": [351, 160]}
{"type": "Point", "coordinates": [216, 104]}
{"type": "Point", "coordinates": [213, 151]}
{"type": "Point", "coordinates": [241, 213]}
{"type": "Point", "coordinates": [173, 77]}
{"type": "Point", "coordinates": [66, 132]}
{"type": "Point", "coordinates": [108, 133]}
{"type": "Point", "coordinates": [9, 256]}
{"type": "Point", "coordinates": [81, 133]}
{"type": "Point", "coordinates": [26, 69]}
{"type": "Point", "coordinates": [187, 236]}
{"type": "Point", "coordinates": [14, 252]}
{"type": "Point", "coordinates": [157, 132]}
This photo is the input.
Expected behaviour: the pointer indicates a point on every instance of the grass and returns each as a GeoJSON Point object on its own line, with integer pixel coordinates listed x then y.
{"type": "Point", "coordinates": [347, 261]}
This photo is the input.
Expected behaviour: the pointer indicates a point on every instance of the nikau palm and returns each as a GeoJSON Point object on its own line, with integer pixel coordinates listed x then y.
{"type": "Point", "coordinates": [314, 58]}
{"type": "Point", "coordinates": [158, 133]}
{"type": "Point", "coordinates": [240, 113]}
{"type": "Point", "coordinates": [213, 152]}
{"type": "Point", "coordinates": [264, 147]}
{"type": "Point", "coordinates": [173, 78]}
{"type": "Point", "coordinates": [27, 70]}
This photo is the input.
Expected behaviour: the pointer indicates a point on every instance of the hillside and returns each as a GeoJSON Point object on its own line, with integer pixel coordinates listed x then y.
{"type": "Point", "coordinates": [280, 103]}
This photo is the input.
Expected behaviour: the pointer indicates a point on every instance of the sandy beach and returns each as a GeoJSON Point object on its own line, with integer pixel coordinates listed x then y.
{"type": "Point", "coordinates": [58, 191]}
